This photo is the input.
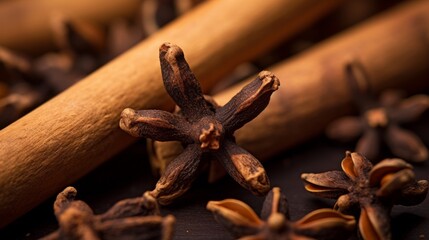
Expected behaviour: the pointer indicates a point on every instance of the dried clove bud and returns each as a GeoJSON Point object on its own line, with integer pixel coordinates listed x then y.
{"type": "Point", "coordinates": [206, 132]}
{"type": "Point", "coordinates": [274, 223]}
{"type": "Point", "coordinates": [135, 218]}
{"type": "Point", "coordinates": [372, 189]}
{"type": "Point", "coordinates": [380, 120]}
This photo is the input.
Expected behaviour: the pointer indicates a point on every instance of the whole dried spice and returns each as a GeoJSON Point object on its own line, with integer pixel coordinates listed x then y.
{"type": "Point", "coordinates": [20, 91]}
{"type": "Point", "coordinates": [162, 153]}
{"type": "Point", "coordinates": [155, 13]}
{"type": "Point", "coordinates": [152, 16]}
{"type": "Point", "coordinates": [379, 121]}
{"type": "Point", "coordinates": [135, 218]}
{"type": "Point", "coordinates": [31, 82]}
{"type": "Point", "coordinates": [372, 189]}
{"type": "Point", "coordinates": [274, 223]}
{"type": "Point", "coordinates": [82, 48]}
{"type": "Point", "coordinates": [206, 132]}
{"type": "Point", "coordinates": [80, 45]}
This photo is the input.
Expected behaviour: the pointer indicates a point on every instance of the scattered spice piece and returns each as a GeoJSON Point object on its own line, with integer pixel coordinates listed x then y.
{"type": "Point", "coordinates": [80, 45]}
{"type": "Point", "coordinates": [82, 48]}
{"type": "Point", "coordinates": [274, 223]}
{"type": "Point", "coordinates": [379, 121]}
{"type": "Point", "coordinates": [32, 82]}
{"type": "Point", "coordinates": [204, 130]}
{"type": "Point", "coordinates": [20, 91]}
{"type": "Point", "coordinates": [135, 218]}
{"type": "Point", "coordinates": [155, 13]}
{"type": "Point", "coordinates": [373, 189]}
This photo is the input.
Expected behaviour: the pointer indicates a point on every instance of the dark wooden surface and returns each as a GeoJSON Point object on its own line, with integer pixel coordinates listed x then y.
{"type": "Point", "coordinates": [128, 175]}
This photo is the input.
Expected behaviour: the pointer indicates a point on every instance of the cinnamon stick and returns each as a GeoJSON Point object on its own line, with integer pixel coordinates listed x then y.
{"type": "Point", "coordinates": [73, 133]}
{"type": "Point", "coordinates": [393, 48]}
{"type": "Point", "coordinates": [313, 88]}
{"type": "Point", "coordinates": [25, 24]}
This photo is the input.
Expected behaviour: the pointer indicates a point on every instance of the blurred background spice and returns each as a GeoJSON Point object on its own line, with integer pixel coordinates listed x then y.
{"type": "Point", "coordinates": [31, 65]}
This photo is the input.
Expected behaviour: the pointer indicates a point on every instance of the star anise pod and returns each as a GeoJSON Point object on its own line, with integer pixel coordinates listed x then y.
{"type": "Point", "coordinates": [135, 218]}
{"type": "Point", "coordinates": [371, 189]}
{"type": "Point", "coordinates": [379, 121]}
{"type": "Point", "coordinates": [206, 132]}
{"type": "Point", "coordinates": [274, 223]}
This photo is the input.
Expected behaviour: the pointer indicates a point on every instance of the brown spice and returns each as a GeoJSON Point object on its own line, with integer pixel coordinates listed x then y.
{"type": "Point", "coordinates": [80, 45]}
{"type": "Point", "coordinates": [135, 218]}
{"type": "Point", "coordinates": [380, 121]}
{"type": "Point", "coordinates": [32, 82]}
{"type": "Point", "coordinates": [206, 131]}
{"type": "Point", "coordinates": [156, 13]}
{"type": "Point", "coordinates": [162, 153]}
{"type": "Point", "coordinates": [372, 189]}
{"type": "Point", "coordinates": [274, 223]}
{"type": "Point", "coordinates": [83, 47]}
{"type": "Point", "coordinates": [20, 91]}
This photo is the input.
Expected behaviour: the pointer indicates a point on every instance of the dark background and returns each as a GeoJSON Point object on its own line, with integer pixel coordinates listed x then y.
{"type": "Point", "coordinates": [128, 175]}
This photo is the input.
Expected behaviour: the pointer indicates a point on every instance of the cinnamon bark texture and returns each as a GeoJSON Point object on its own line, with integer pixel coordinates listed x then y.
{"type": "Point", "coordinates": [206, 131]}
{"type": "Point", "coordinates": [76, 131]}
{"type": "Point", "coordinates": [243, 223]}
{"type": "Point", "coordinates": [372, 190]}
{"type": "Point", "coordinates": [82, 48]}
{"type": "Point", "coordinates": [134, 218]}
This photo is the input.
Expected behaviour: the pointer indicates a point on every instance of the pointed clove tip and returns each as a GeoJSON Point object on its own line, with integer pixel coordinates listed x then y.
{"type": "Point", "coordinates": [211, 206]}
{"type": "Point", "coordinates": [269, 79]}
{"type": "Point", "coordinates": [165, 46]}
{"type": "Point", "coordinates": [69, 192]}
{"type": "Point", "coordinates": [150, 202]}
{"type": "Point", "coordinates": [126, 118]}
{"type": "Point", "coordinates": [304, 176]}
{"type": "Point", "coordinates": [128, 112]}
{"type": "Point", "coordinates": [170, 51]}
